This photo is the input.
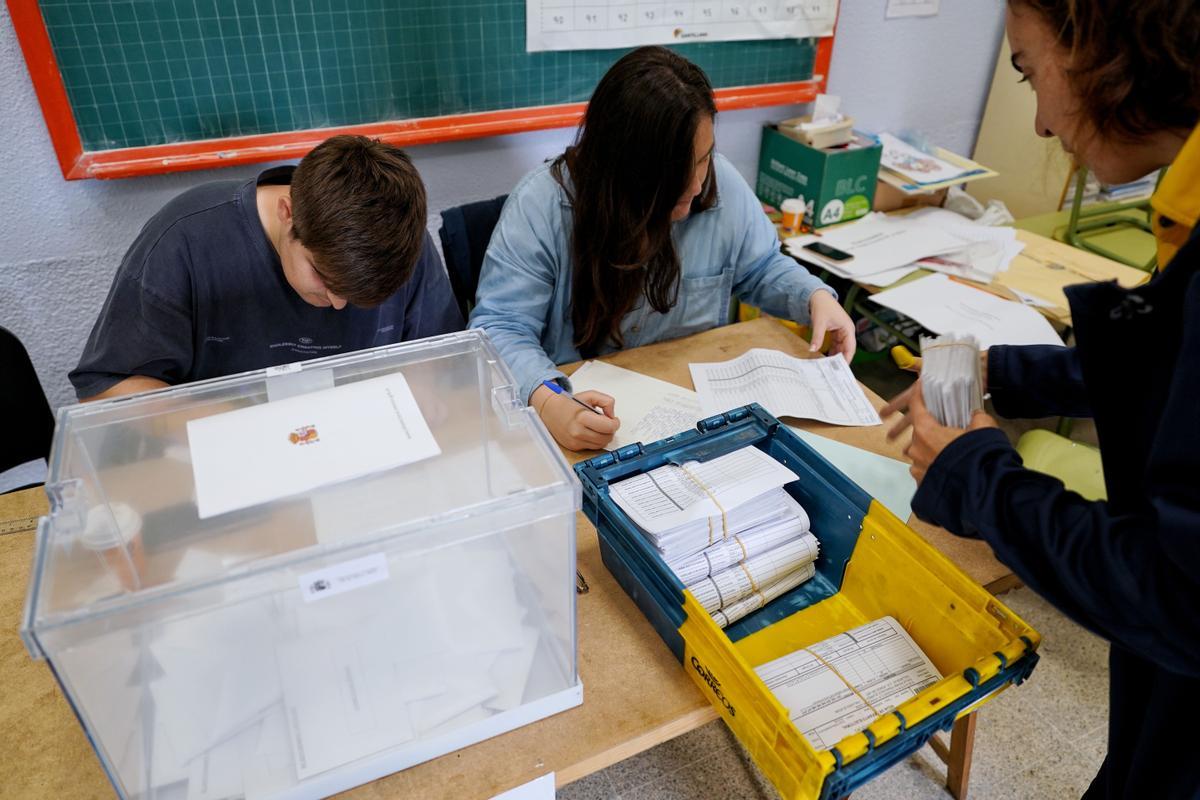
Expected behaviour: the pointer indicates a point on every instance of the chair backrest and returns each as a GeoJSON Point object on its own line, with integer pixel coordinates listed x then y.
{"type": "Point", "coordinates": [466, 231]}
{"type": "Point", "coordinates": [28, 422]}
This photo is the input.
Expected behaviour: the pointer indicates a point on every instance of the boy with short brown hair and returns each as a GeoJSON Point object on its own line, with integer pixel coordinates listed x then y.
{"type": "Point", "coordinates": [323, 258]}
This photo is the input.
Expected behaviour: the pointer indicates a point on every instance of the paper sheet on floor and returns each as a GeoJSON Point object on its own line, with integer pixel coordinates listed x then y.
{"type": "Point", "coordinates": [537, 789]}
{"type": "Point", "coordinates": [879, 660]}
{"type": "Point", "coordinates": [943, 305]}
{"type": "Point", "coordinates": [649, 409]}
{"type": "Point", "coordinates": [812, 388]}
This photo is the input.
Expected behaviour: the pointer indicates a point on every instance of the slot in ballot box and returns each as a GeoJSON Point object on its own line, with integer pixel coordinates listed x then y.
{"type": "Point", "coordinates": [292, 581]}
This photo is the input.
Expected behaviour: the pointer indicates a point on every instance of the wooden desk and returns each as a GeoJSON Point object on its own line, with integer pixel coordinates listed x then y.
{"type": "Point", "coordinates": [636, 695]}
{"type": "Point", "coordinates": [1046, 266]}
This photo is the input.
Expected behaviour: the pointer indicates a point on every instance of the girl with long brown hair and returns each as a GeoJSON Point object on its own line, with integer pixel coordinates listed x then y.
{"type": "Point", "coordinates": [638, 232]}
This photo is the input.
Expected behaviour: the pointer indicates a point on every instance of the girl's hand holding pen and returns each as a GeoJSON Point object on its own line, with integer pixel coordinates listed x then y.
{"type": "Point", "coordinates": [578, 422]}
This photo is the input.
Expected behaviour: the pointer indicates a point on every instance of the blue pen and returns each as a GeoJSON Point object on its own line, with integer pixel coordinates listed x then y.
{"type": "Point", "coordinates": [554, 387]}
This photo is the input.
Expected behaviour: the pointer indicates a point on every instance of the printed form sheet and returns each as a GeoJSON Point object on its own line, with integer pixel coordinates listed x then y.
{"type": "Point", "coordinates": [603, 24]}
{"type": "Point", "coordinates": [812, 388]}
{"type": "Point", "coordinates": [879, 660]}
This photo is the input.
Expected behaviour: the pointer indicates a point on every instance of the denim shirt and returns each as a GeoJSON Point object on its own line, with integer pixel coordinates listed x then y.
{"type": "Point", "coordinates": [523, 301]}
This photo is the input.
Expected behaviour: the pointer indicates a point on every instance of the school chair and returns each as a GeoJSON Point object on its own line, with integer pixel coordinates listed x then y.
{"type": "Point", "coordinates": [28, 422]}
{"type": "Point", "coordinates": [1076, 465]}
{"type": "Point", "coordinates": [465, 233]}
{"type": "Point", "coordinates": [1085, 227]}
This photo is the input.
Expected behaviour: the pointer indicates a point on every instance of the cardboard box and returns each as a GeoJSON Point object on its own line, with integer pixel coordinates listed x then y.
{"type": "Point", "coordinates": [837, 185]}
{"type": "Point", "coordinates": [889, 198]}
{"type": "Point", "coordinates": [833, 135]}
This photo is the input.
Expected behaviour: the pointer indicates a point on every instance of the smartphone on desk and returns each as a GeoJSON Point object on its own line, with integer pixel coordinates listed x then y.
{"type": "Point", "coordinates": [829, 252]}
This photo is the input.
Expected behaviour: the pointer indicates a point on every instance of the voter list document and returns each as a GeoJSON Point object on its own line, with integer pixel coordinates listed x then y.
{"type": "Point", "coordinates": [811, 388]}
{"type": "Point", "coordinates": [839, 686]}
{"type": "Point", "coordinates": [273, 450]}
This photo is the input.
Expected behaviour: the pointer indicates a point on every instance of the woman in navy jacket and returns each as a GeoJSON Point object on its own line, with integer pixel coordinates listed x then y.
{"type": "Point", "coordinates": [1119, 84]}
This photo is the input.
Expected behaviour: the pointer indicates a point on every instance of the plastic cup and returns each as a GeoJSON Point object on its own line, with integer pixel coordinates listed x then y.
{"type": "Point", "coordinates": [120, 550]}
{"type": "Point", "coordinates": [793, 213]}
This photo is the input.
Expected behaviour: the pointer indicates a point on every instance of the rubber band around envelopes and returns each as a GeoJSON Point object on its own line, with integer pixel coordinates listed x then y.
{"type": "Point", "coordinates": [717, 503]}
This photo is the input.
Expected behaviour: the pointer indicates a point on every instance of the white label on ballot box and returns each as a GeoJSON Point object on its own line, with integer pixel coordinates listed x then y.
{"type": "Point", "coordinates": [266, 452]}
{"type": "Point", "coordinates": [344, 577]}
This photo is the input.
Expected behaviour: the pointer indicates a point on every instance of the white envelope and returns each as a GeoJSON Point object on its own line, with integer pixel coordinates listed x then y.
{"type": "Point", "coordinates": [254, 455]}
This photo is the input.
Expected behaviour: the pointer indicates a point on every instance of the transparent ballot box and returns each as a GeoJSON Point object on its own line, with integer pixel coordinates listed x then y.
{"type": "Point", "coordinates": [289, 582]}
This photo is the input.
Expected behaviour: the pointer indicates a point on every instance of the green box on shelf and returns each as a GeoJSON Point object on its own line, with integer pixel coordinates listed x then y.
{"type": "Point", "coordinates": [837, 185]}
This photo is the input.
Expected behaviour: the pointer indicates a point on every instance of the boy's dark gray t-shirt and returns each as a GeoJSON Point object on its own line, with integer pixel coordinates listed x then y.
{"type": "Point", "coordinates": [201, 293]}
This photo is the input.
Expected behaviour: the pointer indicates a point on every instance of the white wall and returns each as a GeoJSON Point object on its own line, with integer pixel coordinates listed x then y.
{"type": "Point", "coordinates": [61, 241]}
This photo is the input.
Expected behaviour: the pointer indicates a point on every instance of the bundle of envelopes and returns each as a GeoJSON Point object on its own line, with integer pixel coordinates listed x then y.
{"type": "Point", "coordinates": [726, 527]}
{"type": "Point", "coordinates": [951, 383]}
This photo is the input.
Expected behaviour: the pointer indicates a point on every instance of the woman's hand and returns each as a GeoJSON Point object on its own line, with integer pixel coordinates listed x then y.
{"type": "Point", "coordinates": [573, 426]}
{"type": "Point", "coordinates": [929, 437]}
{"type": "Point", "coordinates": [828, 317]}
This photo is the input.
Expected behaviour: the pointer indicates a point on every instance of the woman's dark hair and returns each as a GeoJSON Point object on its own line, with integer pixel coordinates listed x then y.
{"type": "Point", "coordinates": [1135, 63]}
{"type": "Point", "coordinates": [631, 162]}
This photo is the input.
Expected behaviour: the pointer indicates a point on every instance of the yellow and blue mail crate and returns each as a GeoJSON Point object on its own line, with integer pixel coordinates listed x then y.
{"type": "Point", "coordinates": [871, 565]}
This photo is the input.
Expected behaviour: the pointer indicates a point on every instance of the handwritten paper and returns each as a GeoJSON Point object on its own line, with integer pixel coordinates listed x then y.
{"type": "Point", "coordinates": [649, 409]}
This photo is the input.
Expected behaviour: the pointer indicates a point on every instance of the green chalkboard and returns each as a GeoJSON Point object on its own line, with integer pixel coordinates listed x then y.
{"type": "Point", "coordinates": [143, 72]}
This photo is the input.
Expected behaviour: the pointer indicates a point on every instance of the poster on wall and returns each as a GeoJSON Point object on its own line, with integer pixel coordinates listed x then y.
{"type": "Point", "coordinates": [604, 24]}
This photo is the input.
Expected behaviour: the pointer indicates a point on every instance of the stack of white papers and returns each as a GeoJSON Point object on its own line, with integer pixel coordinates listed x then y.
{"type": "Point", "coordinates": [837, 687]}
{"type": "Point", "coordinates": [684, 508]}
{"type": "Point", "coordinates": [888, 248]}
{"type": "Point", "coordinates": [729, 551]}
{"type": "Point", "coordinates": [987, 251]}
{"type": "Point", "coordinates": [942, 305]}
{"type": "Point", "coordinates": [883, 248]}
{"type": "Point", "coordinates": [732, 585]}
{"type": "Point", "coordinates": [727, 528]}
{"type": "Point", "coordinates": [814, 388]}
{"type": "Point", "coordinates": [951, 383]}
